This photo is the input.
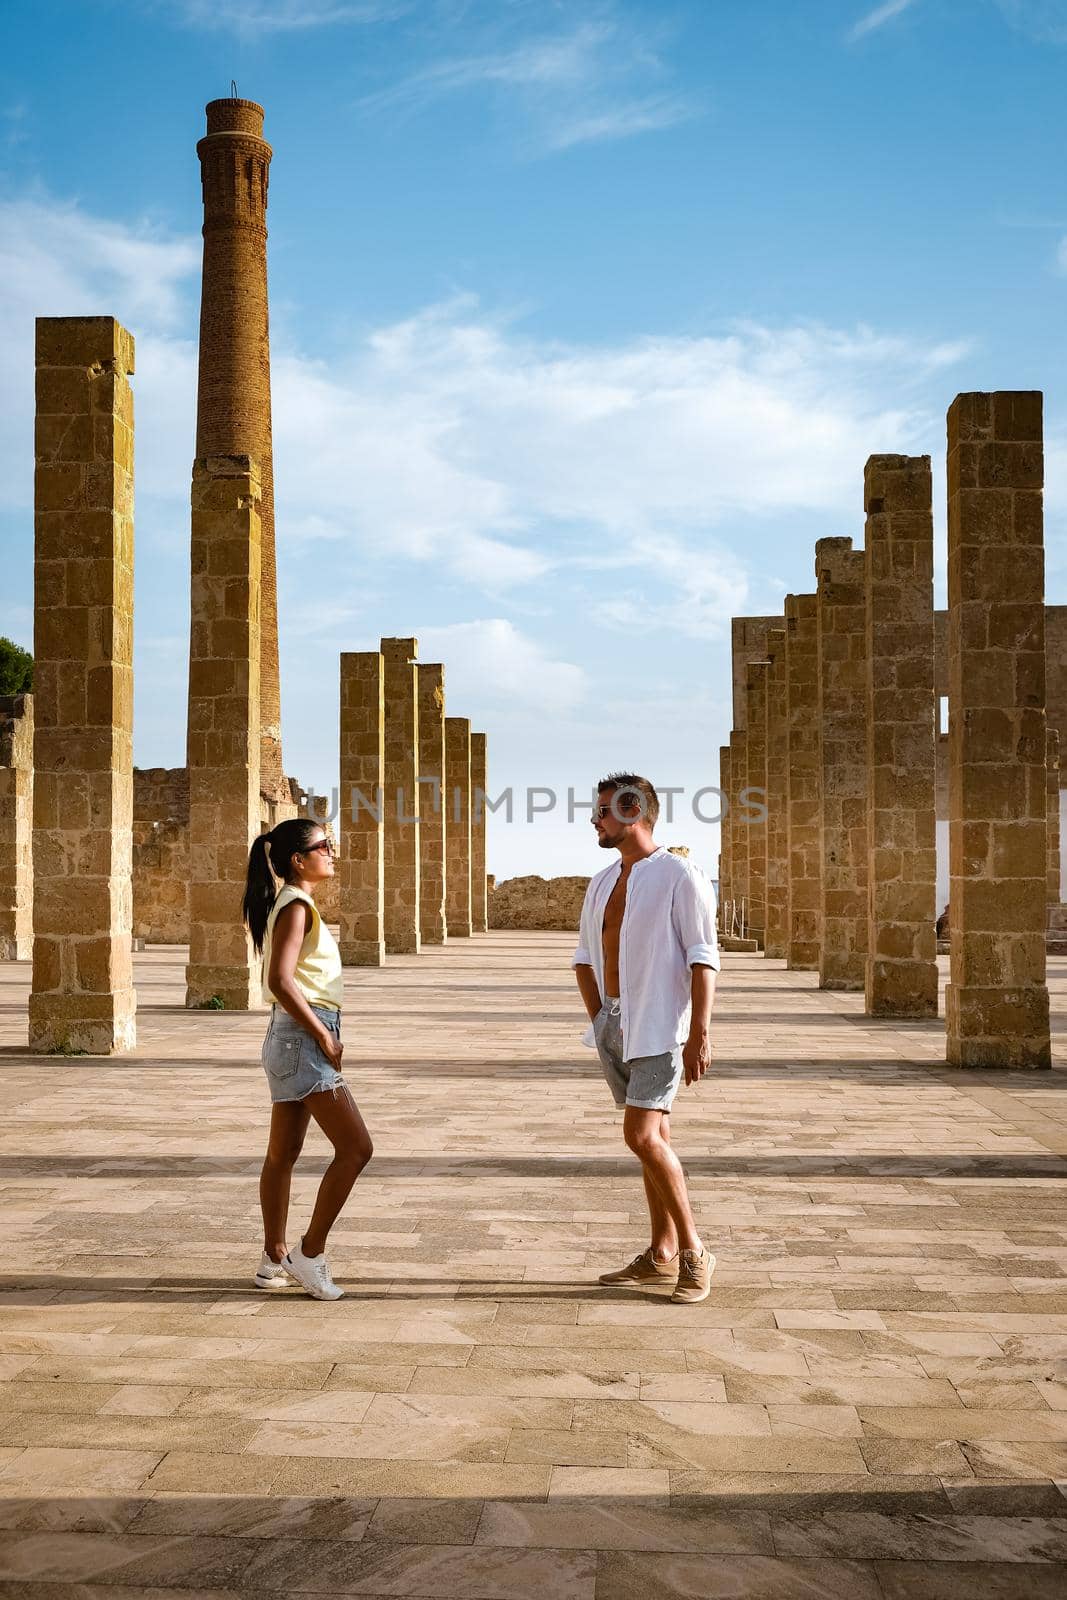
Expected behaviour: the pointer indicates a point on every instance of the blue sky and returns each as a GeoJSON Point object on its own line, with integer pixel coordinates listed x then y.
{"type": "Point", "coordinates": [585, 317]}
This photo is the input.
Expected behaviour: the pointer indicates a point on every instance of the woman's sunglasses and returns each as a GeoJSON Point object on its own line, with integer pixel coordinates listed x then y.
{"type": "Point", "coordinates": [323, 844]}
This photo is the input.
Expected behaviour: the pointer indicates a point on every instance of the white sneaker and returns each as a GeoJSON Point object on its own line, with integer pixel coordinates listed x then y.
{"type": "Point", "coordinates": [312, 1274]}
{"type": "Point", "coordinates": [270, 1274]}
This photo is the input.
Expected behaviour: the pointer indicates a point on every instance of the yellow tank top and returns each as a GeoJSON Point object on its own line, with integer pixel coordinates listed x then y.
{"type": "Point", "coordinates": [318, 972]}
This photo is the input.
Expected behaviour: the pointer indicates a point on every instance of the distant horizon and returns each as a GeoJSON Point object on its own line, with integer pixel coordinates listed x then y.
{"type": "Point", "coordinates": [585, 318]}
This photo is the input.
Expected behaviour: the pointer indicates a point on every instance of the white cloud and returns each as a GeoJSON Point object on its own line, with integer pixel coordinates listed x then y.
{"type": "Point", "coordinates": [490, 661]}
{"type": "Point", "coordinates": [585, 84]}
{"type": "Point", "coordinates": [284, 16]}
{"type": "Point", "coordinates": [878, 18]}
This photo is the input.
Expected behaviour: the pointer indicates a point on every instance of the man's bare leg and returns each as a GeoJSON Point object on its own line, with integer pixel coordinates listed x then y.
{"type": "Point", "coordinates": [664, 1233]}
{"type": "Point", "coordinates": [643, 1133]}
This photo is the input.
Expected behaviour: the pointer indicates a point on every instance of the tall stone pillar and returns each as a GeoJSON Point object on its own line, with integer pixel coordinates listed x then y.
{"type": "Point", "coordinates": [16, 827]}
{"type": "Point", "coordinates": [401, 797]}
{"type": "Point", "coordinates": [432, 808]}
{"type": "Point", "coordinates": [82, 997]}
{"type": "Point", "coordinates": [901, 977]}
{"type": "Point", "coordinates": [841, 614]}
{"type": "Point", "coordinates": [479, 781]}
{"type": "Point", "coordinates": [803, 783]}
{"type": "Point", "coordinates": [233, 414]}
{"type": "Point", "coordinates": [361, 867]}
{"type": "Point", "coordinates": [458, 827]}
{"type": "Point", "coordinates": [996, 1006]}
{"type": "Point", "coordinates": [725, 826]}
{"type": "Point", "coordinates": [1052, 816]}
{"type": "Point", "coordinates": [776, 932]}
{"type": "Point", "coordinates": [756, 775]}
{"type": "Point", "coordinates": [738, 826]}
{"type": "Point", "coordinates": [223, 741]}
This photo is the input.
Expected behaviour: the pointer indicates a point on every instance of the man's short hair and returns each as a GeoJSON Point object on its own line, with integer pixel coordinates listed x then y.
{"type": "Point", "coordinates": [633, 787]}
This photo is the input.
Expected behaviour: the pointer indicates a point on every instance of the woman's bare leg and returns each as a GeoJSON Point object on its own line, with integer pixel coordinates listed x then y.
{"type": "Point", "coordinates": [338, 1116]}
{"type": "Point", "coordinates": [288, 1124]}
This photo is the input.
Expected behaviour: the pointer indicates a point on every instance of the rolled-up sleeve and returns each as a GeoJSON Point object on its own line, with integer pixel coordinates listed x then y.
{"type": "Point", "coordinates": [693, 914]}
{"type": "Point", "coordinates": [581, 956]}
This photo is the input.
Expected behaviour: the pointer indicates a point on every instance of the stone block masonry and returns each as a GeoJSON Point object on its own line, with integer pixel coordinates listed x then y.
{"type": "Point", "coordinates": [725, 874]}
{"type": "Point", "coordinates": [776, 928]}
{"type": "Point", "coordinates": [841, 619]}
{"type": "Point", "coordinates": [16, 827]}
{"type": "Point", "coordinates": [803, 783]}
{"type": "Point", "coordinates": [432, 808]}
{"type": "Point", "coordinates": [755, 829]}
{"type": "Point", "coordinates": [997, 1004]}
{"type": "Point", "coordinates": [458, 827]}
{"type": "Point", "coordinates": [233, 414]}
{"type": "Point", "coordinates": [479, 784]}
{"type": "Point", "coordinates": [738, 835]}
{"type": "Point", "coordinates": [361, 867]}
{"type": "Point", "coordinates": [82, 998]}
{"type": "Point", "coordinates": [402, 935]}
{"type": "Point", "coordinates": [901, 975]}
{"type": "Point", "coordinates": [223, 733]}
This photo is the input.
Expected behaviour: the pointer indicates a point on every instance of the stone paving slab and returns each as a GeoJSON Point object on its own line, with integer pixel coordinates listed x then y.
{"type": "Point", "coordinates": [873, 1403]}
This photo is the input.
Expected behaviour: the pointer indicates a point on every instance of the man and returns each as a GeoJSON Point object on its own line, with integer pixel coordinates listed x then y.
{"type": "Point", "coordinates": [646, 962]}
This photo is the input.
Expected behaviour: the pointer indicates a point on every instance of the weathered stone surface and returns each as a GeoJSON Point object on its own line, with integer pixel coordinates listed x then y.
{"type": "Point", "coordinates": [233, 415]}
{"type": "Point", "coordinates": [901, 977]}
{"type": "Point", "coordinates": [996, 1005]}
{"type": "Point", "coordinates": [432, 809]}
{"type": "Point", "coordinates": [776, 926]}
{"type": "Point", "coordinates": [361, 868]}
{"type": "Point", "coordinates": [458, 827]}
{"type": "Point", "coordinates": [803, 783]}
{"type": "Point", "coordinates": [223, 734]}
{"type": "Point", "coordinates": [725, 870]}
{"type": "Point", "coordinates": [402, 800]}
{"type": "Point", "coordinates": [748, 642]}
{"type": "Point", "coordinates": [841, 621]}
{"type": "Point", "coordinates": [16, 827]}
{"type": "Point", "coordinates": [479, 783]}
{"type": "Point", "coordinates": [538, 904]}
{"type": "Point", "coordinates": [755, 830]}
{"type": "Point", "coordinates": [82, 997]}
{"type": "Point", "coordinates": [735, 818]}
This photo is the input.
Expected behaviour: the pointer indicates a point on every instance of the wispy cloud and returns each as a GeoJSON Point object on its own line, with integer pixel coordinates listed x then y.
{"type": "Point", "coordinates": [590, 82]}
{"type": "Point", "coordinates": [283, 16]}
{"type": "Point", "coordinates": [878, 18]}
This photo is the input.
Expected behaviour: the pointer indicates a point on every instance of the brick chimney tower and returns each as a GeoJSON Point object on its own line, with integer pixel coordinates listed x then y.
{"type": "Point", "coordinates": [233, 396]}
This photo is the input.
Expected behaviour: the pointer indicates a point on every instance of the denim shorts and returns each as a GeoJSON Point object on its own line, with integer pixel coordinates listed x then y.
{"type": "Point", "coordinates": [293, 1061]}
{"type": "Point", "coordinates": [648, 1082]}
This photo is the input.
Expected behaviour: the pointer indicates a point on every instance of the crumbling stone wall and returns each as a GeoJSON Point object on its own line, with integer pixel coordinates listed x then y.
{"type": "Point", "coordinates": [538, 904]}
{"type": "Point", "coordinates": [16, 827]}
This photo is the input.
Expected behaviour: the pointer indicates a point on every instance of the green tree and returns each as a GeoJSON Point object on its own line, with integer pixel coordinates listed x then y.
{"type": "Point", "coordinates": [16, 668]}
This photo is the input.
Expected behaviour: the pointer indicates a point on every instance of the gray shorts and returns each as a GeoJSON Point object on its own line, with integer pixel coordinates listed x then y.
{"type": "Point", "coordinates": [292, 1060]}
{"type": "Point", "coordinates": [648, 1082]}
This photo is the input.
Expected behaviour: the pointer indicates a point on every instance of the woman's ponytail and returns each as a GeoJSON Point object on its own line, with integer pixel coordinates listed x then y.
{"type": "Point", "coordinates": [260, 893]}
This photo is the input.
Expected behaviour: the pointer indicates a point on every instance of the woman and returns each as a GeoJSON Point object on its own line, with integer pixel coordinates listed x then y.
{"type": "Point", "coordinates": [302, 1050]}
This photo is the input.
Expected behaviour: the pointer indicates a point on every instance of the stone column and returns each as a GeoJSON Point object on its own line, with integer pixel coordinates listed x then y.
{"type": "Point", "coordinates": [458, 827]}
{"type": "Point", "coordinates": [361, 866]}
{"type": "Point", "coordinates": [756, 778]}
{"type": "Point", "coordinates": [16, 827]}
{"type": "Point", "coordinates": [901, 976]}
{"type": "Point", "coordinates": [479, 780]}
{"type": "Point", "coordinates": [233, 412]}
{"type": "Point", "coordinates": [1052, 815]}
{"type": "Point", "coordinates": [996, 1006]}
{"type": "Point", "coordinates": [223, 738]}
{"type": "Point", "coordinates": [401, 797]}
{"type": "Point", "coordinates": [725, 826]}
{"type": "Point", "coordinates": [432, 808]}
{"type": "Point", "coordinates": [776, 933]}
{"type": "Point", "coordinates": [841, 614]}
{"type": "Point", "coordinates": [738, 827]}
{"type": "Point", "coordinates": [803, 783]}
{"type": "Point", "coordinates": [82, 997]}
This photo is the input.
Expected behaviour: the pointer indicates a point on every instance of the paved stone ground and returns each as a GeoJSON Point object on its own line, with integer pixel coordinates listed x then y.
{"type": "Point", "coordinates": [872, 1405]}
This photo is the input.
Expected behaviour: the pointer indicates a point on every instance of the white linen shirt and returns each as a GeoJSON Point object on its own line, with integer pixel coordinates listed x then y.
{"type": "Point", "coordinates": [668, 926]}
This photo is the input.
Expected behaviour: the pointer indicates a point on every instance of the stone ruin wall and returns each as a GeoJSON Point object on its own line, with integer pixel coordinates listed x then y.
{"type": "Point", "coordinates": [537, 904]}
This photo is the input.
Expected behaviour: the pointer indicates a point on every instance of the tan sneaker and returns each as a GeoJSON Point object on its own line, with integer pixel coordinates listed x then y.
{"type": "Point", "coordinates": [644, 1269]}
{"type": "Point", "coordinates": [694, 1277]}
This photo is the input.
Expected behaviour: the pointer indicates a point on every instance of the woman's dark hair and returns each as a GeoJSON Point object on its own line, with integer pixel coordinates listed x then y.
{"type": "Point", "coordinates": [271, 857]}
